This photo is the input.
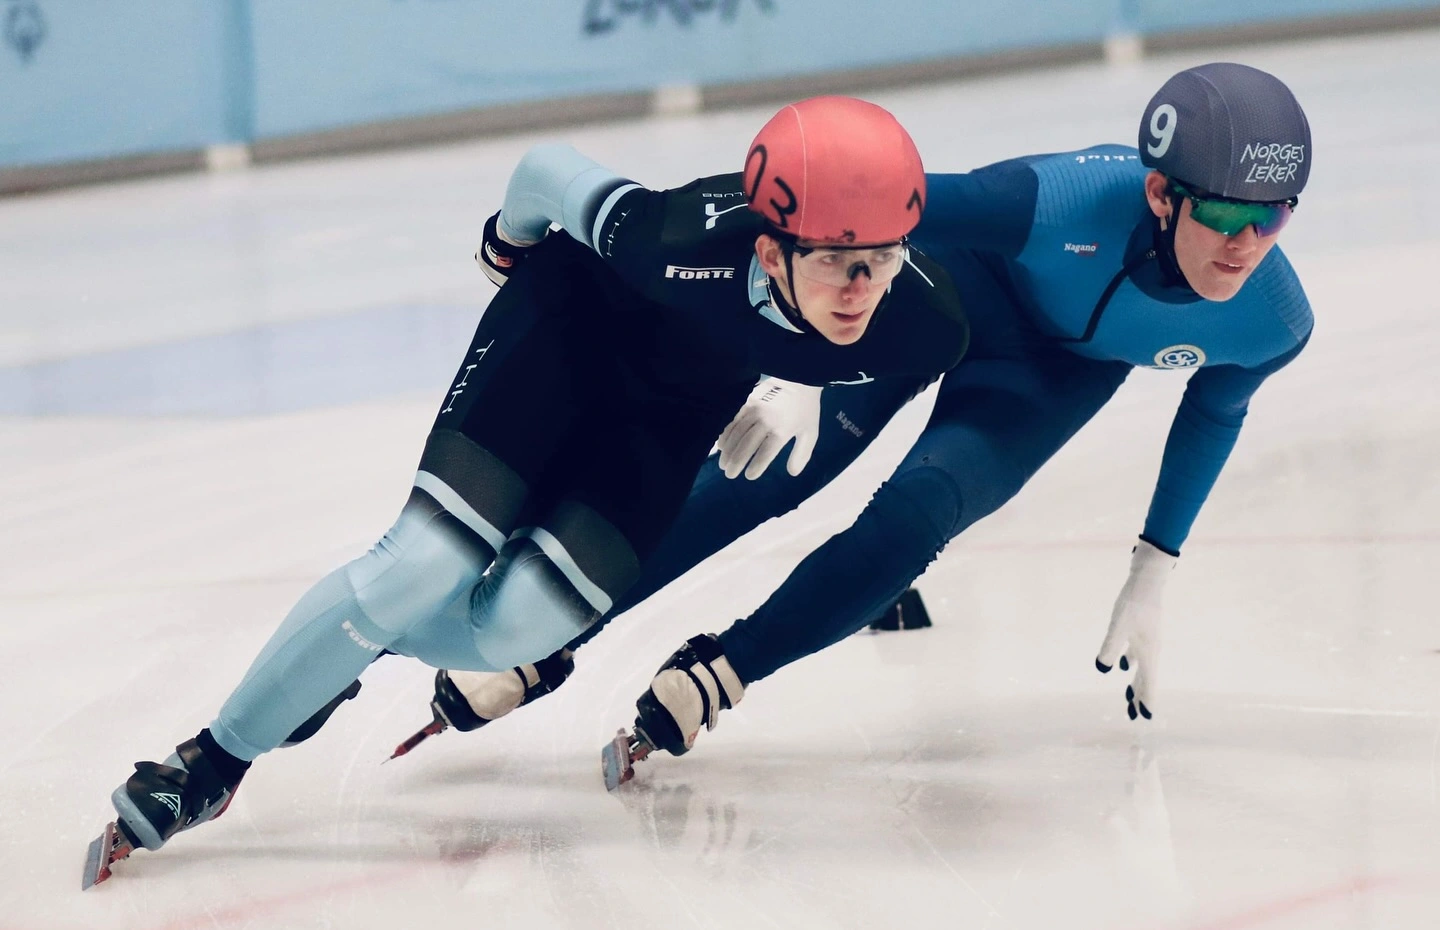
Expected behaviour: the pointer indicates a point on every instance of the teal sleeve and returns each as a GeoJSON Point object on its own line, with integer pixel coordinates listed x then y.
{"type": "Point", "coordinates": [1204, 431]}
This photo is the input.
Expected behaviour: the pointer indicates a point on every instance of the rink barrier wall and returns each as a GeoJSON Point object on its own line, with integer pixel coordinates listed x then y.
{"type": "Point", "coordinates": [216, 126]}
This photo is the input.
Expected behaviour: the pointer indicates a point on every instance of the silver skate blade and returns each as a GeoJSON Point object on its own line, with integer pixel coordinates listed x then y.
{"type": "Point", "coordinates": [106, 849]}
{"type": "Point", "coordinates": [618, 758]}
{"type": "Point", "coordinates": [615, 765]}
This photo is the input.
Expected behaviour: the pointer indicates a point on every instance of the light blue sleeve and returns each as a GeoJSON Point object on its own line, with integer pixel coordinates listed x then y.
{"type": "Point", "coordinates": [1204, 431]}
{"type": "Point", "coordinates": [556, 184]}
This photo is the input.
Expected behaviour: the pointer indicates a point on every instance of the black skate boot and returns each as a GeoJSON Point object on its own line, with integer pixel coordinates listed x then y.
{"type": "Point", "coordinates": [469, 700]}
{"type": "Point", "coordinates": [907, 613]}
{"type": "Point", "coordinates": [689, 691]}
{"type": "Point", "coordinates": [160, 800]}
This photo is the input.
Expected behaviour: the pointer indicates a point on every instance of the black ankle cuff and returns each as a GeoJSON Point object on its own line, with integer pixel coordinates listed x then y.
{"type": "Point", "coordinates": [228, 767]}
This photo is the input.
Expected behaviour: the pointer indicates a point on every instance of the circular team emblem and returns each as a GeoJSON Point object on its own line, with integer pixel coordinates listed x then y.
{"type": "Point", "coordinates": [1180, 357]}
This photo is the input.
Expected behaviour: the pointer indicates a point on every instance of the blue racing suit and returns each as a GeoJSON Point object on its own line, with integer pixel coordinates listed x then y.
{"type": "Point", "coordinates": [1062, 270]}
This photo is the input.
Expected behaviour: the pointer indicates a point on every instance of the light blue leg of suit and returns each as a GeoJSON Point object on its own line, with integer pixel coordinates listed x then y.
{"type": "Point", "coordinates": [549, 583]}
{"type": "Point", "coordinates": [425, 562]}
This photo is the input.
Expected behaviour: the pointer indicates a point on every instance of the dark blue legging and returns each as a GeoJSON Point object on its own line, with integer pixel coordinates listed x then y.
{"type": "Point", "coordinates": [1001, 414]}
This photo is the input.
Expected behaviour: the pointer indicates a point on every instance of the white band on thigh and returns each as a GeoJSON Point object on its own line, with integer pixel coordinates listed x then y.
{"type": "Point", "coordinates": [555, 551]}
{"type": "Point", "coordinates": [447, 497]}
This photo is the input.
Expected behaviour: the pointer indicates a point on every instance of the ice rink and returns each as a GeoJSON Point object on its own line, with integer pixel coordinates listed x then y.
{"type": "Point", "coordinates": [214, 389]}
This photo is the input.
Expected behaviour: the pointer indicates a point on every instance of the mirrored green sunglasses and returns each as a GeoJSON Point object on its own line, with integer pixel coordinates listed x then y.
{"type": "Point", "coordinates": [1230, 217]}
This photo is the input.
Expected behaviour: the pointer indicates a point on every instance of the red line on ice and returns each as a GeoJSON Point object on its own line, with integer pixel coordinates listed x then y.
{"type": "Point", "coordinates": [1284, 907]}
{"type": "Point", "coordinates": [214, 917]}
{"type": "Point", "coordinates": [1316, 539]}
{"type": "Point", "coordinates": [252, 909]}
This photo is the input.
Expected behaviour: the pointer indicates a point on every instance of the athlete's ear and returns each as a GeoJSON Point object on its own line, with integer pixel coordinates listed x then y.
{"type": "Point", "coordinates": [771, 256]}
{"type": "Point", "coordinates": [1155, 192]}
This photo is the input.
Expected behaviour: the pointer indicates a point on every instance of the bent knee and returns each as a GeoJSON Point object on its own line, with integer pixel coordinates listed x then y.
{"type": "Point", "coordinates": [419, 567]}
{"type": "Point", "coordinates": [925, 501]}
{"type": "Point", "coordinates": [527, 608]}
{"type": "Point", "coordinates": [954, 499]}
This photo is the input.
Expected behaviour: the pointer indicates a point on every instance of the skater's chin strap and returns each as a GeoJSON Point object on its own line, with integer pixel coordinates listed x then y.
{"type": "Point", "coordinates": [768, 300]}
{"type": "Point", "coordinates": [791, 314]}
{"type": "Point", "coordinates": [1164, 238]}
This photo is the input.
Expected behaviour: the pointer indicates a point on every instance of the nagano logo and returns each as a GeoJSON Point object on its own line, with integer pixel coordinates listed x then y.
{"type": "Point", "coordinates": [1180, 357]}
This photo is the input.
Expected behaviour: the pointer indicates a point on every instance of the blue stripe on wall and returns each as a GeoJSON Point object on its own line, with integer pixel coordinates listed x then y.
{"type": "Point", "coordinates": [94, 78]}
{"type": "Point", "coordinates": [292, 366]}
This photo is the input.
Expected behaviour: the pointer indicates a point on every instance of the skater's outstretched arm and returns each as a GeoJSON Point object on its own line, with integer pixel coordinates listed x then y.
{"type": "Point", "coordinates": [994, 424]}
{"type": "Point", "coordinates": [1267, 324]}
{"type": "Point", "coordinates": [1204, 432]}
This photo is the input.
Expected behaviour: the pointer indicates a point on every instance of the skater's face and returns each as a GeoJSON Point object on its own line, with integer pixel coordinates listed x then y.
{"type": "Point", "coordinates": [839, 312]}
{"type": "Point", "coordinates": [1216, 265]}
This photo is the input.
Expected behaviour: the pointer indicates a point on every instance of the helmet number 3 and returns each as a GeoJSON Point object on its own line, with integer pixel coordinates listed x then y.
{"type": "Point", "coordinates": [1162, 128]}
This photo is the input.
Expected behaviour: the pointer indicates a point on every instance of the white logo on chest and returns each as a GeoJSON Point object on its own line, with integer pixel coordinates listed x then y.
{"type": "Point", "coordinates": [1180, 357]}
{"type": "Point", "coordinates": [698, 274]}
{"type": "Point", "coordinates": [713, 213]}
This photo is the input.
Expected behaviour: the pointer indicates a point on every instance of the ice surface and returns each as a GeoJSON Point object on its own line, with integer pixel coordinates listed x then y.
{"type": "Point", "coordinates": [196, 423]}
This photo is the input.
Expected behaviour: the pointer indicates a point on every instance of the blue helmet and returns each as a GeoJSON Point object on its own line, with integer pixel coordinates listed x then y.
{"type": "Point", "coordinates": [1229, 130]}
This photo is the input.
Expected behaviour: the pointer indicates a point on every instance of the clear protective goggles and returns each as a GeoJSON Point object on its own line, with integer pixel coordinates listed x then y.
{"type": "Point", "coordinates": [1230, 217]}
{"type": "Point", "coordinates": [838, 265]}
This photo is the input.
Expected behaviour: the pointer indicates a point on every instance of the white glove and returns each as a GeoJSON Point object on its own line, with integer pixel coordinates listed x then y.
{"type": "Point", "coordinates": [776, 412]}
{"type": "Point", "coordinates": [1134, 635]}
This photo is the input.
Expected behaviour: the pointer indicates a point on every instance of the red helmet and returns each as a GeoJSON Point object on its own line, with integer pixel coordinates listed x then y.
{"type": "Point", "coordinates": [836, 169]}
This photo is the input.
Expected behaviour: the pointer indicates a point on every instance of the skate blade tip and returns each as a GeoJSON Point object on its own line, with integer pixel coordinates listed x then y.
{"type": "Point", "coordinates": [616, 764]}
{"type": "Point", "coordinates": [96, 869]}
{"type": "Point", "coordinates": [613, 771]}
{"type": "Point", "coordinates": [419, 737]}
{"type": "Point", "coordinates": [101, 855]}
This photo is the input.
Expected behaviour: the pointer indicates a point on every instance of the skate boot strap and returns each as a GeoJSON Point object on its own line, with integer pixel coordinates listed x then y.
{"type": "Point", "coordinates": [469, 700]}
{"type": "Point", "coordinates": [191, 792]}
{"type": "Point", "coordinates": [452, 706]}
{"type": "Point", "coordinates": [688, 693]}
{"type": "Point", "coordinates": [171, 773]}
{"type": "Point", "coordinates": [703, 660]}
{"type": "Point", "coordinates": [208, 773]}
{"type": "Point", "coordinates": [548, 674]}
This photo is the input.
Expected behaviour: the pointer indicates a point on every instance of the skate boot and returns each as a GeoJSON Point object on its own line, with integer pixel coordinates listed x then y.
{"type": "Point", "coordinates": [689, 691]}
{"type": "Point", "coordinates": [158, 801]}
{"type": "Point", "coordinates": [907, 613]}
{"type": "Point", "coordinates": [469, 700]}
